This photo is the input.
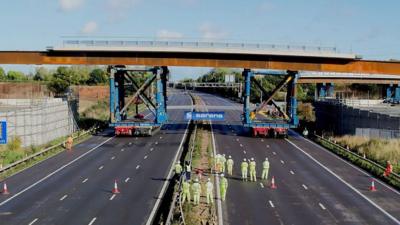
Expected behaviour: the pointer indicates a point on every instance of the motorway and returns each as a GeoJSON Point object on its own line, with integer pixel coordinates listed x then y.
{"type": "Point", "coordinates": [75, 187]}
{"type": "Point", "coordinates": [314, 186]}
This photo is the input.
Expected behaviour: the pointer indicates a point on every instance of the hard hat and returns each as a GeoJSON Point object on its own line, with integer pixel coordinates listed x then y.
{"type": "Point", "coordinates": [252, 159]}
{"type": "Point", "coordinates": [223, 155]}
{"type": "Point", "coordinates": [196, 180]}
{"type": "Point", "coordinates": [266, 159]}
{"type": "Point", "coordinates": [222, 175]}
{"type": "Point", "coordinates": [230, 157]}
{"type": "Point", "coordinates": [209, 179]}
{"type": "Point", "coordinates": [244, 159]}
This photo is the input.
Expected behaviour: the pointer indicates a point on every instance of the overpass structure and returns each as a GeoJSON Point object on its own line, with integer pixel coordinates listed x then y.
{"type": "Point", "coordinates": [291, 59]}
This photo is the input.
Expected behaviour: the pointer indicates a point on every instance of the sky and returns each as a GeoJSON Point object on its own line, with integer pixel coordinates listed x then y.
{"type": "Point", "coordinates": [366, 27]}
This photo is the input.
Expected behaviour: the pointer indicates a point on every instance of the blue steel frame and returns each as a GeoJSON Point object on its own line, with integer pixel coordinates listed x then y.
{"type": "Point", "coordinates": [117, 102]}
{"type": "Point", "coordinates": [291, 102]}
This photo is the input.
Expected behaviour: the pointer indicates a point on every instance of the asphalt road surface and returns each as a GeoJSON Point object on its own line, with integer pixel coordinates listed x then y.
{"type": "Point", "coordinates": [313, 185]}
{"type": "Point", "coordinates": [75, 187]}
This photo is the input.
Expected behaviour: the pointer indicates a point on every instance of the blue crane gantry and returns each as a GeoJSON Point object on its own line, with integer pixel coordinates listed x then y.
{"type": "Point", "coordinates": [121, 80]}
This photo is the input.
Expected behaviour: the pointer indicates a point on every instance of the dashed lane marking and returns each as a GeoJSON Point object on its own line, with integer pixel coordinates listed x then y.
{"type": "Point", "coordinates": [151, 149]}
{"type": "Point", "coordinates": [274, 153]}
{"type": "Point", "coordinates": [101, 167]}
{"type": "Point", "coordinates": [127, 179]}
{"type": "Point", "coordinates": [63, 197]}
{"type": "Point", "coordinates": [283, 162]}
{"type": "Point", "coordinates": [262, 185]}
{"type": "Point", "coordinates": [112, 197]}
{"type": "Point", "coordinates": [160, 137]}
{"type": "Point", "coordinates": [262, 140]}
{"type": "Point", "coordinates": [267, 146]}
{"type": "Point", "coordinates": [241, 145]}
{"type": "Point", "coordinates": [237, 139]}
{"type": "Point", "coordinates": [138, 166]}
{"type": "Point", "coordinates": [92, 221]}
{"type": "Point", "coordinates": [292, 172]}
{"type": "Point", "coordinates": [304, 186]}
{"type": "Point", "coordinates": [34, 221]}
{"type": "Point", "coordinates": [156, 143]}
{"type": "Point", "coordinates": [145, 157]}
{"type": "Point", "coordinates": [84, 181]}
{"type": "Point", "coordinates": [244, 152]}
{"type": "Point", "coordinates": [322, 206]}
{"type": "Point", "coordinates": [271, 204]}
{"type": "Point", "coordinates": [112, 158]}
{"type": "Point", "coordinates": [130, 143]}
{"type": "Point", "coordinates": [122, 149]}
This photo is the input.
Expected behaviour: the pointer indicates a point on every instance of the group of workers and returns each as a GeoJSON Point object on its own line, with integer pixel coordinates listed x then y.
{"type": "Point", "coordinates": [194, 189]}
{"type": "Point", "coordinates": [249, 166]}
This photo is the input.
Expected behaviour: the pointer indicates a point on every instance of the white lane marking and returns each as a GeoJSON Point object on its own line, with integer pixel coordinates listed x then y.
{"type": "Point", "coordinates": [355, 167]}
{"type": "Point", "coordinates": [138, 166]}
{"type": "Point", "coordinates": [262, 185]}
{"type": "Point", "coordinates": [322, 206]}
{"type": "Point", "coordinates": [244, 152]}
{"type": "Point", "coordinates": [304, 186]}
{"type": "Point", "coordinates": [136, 138]}
{"type": "Point", "coordinates": [112, 197]}
{"type": "Point", "coordinates": [271, 204]}
{"type": "Point", "coordinates": [160, 137]}
{"type": "Point", "coordinates": [63, 197]}
{"type": "Point", "coordinates": [164, 187]}
{"type": "Point", "coordinates": [237, 139]}
{"type": "Point", "coordinates": [283, 162]}
{"type": "Point", "coordinates": [262, 140]}
{"type": "Point", "coordinates": [127, 179]}
{"type": "Point", "coordinates": [34, 221]}
{"type": "Point", "coordinates": [145, 157]}
{"type": "Point", "coordinates": [92, 221]}
{"type": "Point", "coordinates": [112, 158]}
{"type": "Point", "coordinates": [54, 172]}
{"type": "Point", "coordinates": [343, 181]}
{"type": "Point", "coordinates": [241, 145]}
{"type": "Point", "coordinates": [101, 167]}
{"type": "Point", "coordinates": [84, 181]}
{"type": "Point", "coordinates": [156, 143]}
{"type": "Point", "coordinates": [274, 153]}
{"type": "Point", "coordinates": [130, 143]}
{"type": "Point", "coordinates": [122, 149]}
{"type": "Point", "coordinates": [267, 146]}
{"type": "Point", "coordinates": [292, 172]}
{"type": "Point", "coordinates": [151, 149]}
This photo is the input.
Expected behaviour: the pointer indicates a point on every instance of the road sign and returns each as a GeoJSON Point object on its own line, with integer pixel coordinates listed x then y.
{"type": "Point", "coordinates": [3, 132]}
{"type": "Point", "coordinates": [214, 116]}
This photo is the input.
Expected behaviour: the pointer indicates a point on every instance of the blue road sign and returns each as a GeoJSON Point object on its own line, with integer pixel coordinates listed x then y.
{"type": "Point", "coordinates": [3, 132]}
{"type": "Point", "coordinates": [213, 116]}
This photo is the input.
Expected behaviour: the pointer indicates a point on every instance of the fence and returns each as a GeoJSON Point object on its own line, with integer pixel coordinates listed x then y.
{"type": "Point", "coordinates": [38, 121]}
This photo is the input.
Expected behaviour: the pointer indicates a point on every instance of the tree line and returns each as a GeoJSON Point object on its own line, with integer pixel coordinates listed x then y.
{"type": "Point", "coordinates": [60, 79]}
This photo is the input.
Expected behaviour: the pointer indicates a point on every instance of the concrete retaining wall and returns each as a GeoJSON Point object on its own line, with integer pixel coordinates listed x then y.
{"type": "Point", "coordinates": [38, 121]}
{"type": "Point", "coordinates": [343, 119]}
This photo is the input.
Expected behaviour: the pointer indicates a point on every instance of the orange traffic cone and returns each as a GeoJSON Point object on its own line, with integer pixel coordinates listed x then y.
{"type": "Point", "coordinates": [115, 189]}
{"type": "Point", "coordinates": [5, 189]}
{"type": "Point", "coordinates": [372, 187]}
{"type": "Point", "coordinates": [273, 186]}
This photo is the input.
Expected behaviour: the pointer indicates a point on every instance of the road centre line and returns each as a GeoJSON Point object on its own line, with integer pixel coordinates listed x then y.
{"type": "Point", "coordinates": [33, 221]}
{"type": "Point", "coordinates": [304, 186]}
{"type": "Point", "coordinates": [127, 179]}
{"type": "Point", "coordinates": [322, 206]}
{"type": "Point", "coordinates": [292, 172]}
{"type": "Point", "coordinates": [63, 197]}
{"type": "Point", "coordinates": [271, 204]}
{"type": "Point", "coordinates": [101, 167]}
{"type": "Point", "coordinates": [112, 197]}
{"type": "Point", "coordinates": [84, 181]}
{"type": "Point", "coordinates": [145, 157]}
{"type": "Point", "coordinates": [54, 172]}
{"type": "Point", "coordinates": [92, 221]}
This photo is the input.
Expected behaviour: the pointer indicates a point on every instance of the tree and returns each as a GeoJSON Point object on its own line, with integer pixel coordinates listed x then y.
{"type": "Point", "coordinates": [2, 74]}
{"type": "Point", "coordinates": [42, 74]}
{"type": "Point", "coordinates": [58, 85]}
{"type": "Point", "coordinates": [97, 76]}
{"type": "Point", "coordinates": [16, 76]}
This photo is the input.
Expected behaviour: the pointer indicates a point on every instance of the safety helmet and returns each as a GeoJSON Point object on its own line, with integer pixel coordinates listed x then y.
{"type": "Point", "coordinates": [229, 157]}
{"type": "Point", "coordinates": [222, 175]}
{"type": "Point", "coordinates": [252, 159]}
{"type": "Point", "coordinates": [223, 155]}
{"type": "Point", "coordinates": [209, 179]}
{"type": "Point", "coordinates": [266, 159]}
{"type": "Point", "coordinates": [244, 159]}
{"type": "Point", "coordinates": [196, 180]}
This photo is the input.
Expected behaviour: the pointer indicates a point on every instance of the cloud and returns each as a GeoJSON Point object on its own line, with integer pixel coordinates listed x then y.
{"type": "Point", "coordinates": [119, 8]}
{"type": "Point", "coordinates": [89, 28]}
{"type": "Point", "coordinates": [210, 31]}
{"type": "Point", "coordinates": [68, 5]}
{"type": "Point", "coordinates": [166, 34]}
